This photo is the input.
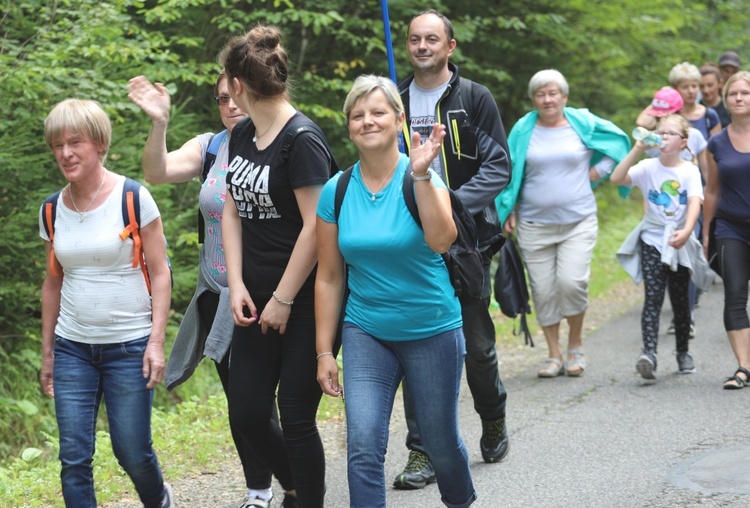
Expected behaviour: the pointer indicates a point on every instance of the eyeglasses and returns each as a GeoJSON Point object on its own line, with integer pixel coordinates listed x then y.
{"type": "Point", "coordinates": [669, 134]}
{"type": "Point", "coordinates": [222, 100]}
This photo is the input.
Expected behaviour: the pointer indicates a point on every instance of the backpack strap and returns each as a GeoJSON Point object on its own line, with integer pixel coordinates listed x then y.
{"type": "Point", "coordinates": [410, 198]}
{"type": "Point", "coordinates": [211, 151]}
{"type": "Point", "coordinates": [208, 160]}
{"type": "Point", "coordinates": [341, 185]}
{"type": "Point", "coordinates": [131, 217]}
{"type": "Point", "coordinates": [298, 126]}
{"type": "Point", "coordinates": [49, 215]}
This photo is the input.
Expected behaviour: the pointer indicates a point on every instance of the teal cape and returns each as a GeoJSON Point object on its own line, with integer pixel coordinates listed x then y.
{"type": "Point", "coordinates": [597, 134]}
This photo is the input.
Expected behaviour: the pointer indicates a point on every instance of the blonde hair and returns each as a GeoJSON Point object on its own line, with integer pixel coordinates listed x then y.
{"type": "Point", "coordinates": [81, 118]}
{"type": "Point", "coordinates": [368, 83]}
{"type": "Point", "coordinates": [684, 131]}
{"type": "Point", "coordinates": [684, 71]}
{"type": "Point", "coordinates": [744, 75]}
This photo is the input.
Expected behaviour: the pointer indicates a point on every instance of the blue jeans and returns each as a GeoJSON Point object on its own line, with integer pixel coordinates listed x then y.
{"type": "Point", "coordinates": [373, 370]}
{"type": "Point", "coordinates": [482, 373]}
{"type": "Point", "coordinates": [83, 373]}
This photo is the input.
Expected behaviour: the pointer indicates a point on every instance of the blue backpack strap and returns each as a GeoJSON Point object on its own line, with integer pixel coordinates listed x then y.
{"type": "Point", "coordinates": [341, 186]}
{"type": "Point", "coordinates": [211, 151]}
{"type": "Point", "coordinates": [208, 160]}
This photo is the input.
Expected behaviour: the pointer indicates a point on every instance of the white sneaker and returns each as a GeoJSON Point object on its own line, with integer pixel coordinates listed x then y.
{"type": "Point", "coordinates": [256, 502]}
{"type": "Point", "coordinates": [646, 366]}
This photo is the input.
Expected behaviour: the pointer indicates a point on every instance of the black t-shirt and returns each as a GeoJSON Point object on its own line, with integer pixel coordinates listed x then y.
{"type": "Point", "coordinates": [262, 187]}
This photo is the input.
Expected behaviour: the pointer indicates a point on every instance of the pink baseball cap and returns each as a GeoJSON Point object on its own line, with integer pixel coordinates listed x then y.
{"type": "Point", "coordinates": [666, 101]}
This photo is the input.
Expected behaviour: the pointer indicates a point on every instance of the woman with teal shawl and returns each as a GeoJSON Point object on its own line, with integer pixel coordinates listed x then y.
{"type": "Point", "coordinates": [559, 154]}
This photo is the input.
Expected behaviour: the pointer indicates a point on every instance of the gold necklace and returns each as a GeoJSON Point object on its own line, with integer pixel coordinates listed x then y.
{"type": "Point", "coordinates": [382, 183]}
{"type": "Point", "coordinates": [80, 213]}
{"type": "Point", "coordinates": [257, 136]}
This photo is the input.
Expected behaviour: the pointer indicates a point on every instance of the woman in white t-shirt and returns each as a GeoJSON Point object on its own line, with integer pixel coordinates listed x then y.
{"type": "Point", "coordinates": [662, 251]}
{"type": "Point", "coordinates": [102, 333]}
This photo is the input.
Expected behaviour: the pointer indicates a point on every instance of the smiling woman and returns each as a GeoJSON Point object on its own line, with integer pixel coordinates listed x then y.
{"type": "Point", "coordinates": [374, 223]}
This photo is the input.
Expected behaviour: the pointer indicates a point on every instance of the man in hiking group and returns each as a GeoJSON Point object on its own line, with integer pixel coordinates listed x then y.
{"type": "Point", "coordinates": [474, 163]}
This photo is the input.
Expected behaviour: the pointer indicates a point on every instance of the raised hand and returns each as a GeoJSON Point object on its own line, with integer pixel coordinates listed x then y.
{"type": "Point", "coordinates": [153, 99]}
{"type": "Point", "coordinates": [422, 155]}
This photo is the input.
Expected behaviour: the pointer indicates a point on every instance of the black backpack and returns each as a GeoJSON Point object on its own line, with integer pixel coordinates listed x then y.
{"type": "Point", "coordinates": [131, 219]}
{"type": "Point", "coordinates": [511, 291]}
{"type": "Point", "coordinates": [463, 260]}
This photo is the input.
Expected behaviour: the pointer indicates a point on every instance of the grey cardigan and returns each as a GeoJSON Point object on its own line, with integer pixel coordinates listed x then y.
{"type": "Point", "coordinates": [690, 255]}
{"type": "Point", "coordinates": [192, 342]}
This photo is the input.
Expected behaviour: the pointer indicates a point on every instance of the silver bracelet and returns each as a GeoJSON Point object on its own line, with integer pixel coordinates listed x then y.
{"type": "Point", "coordinates": [422, 178]}
{"type": "Point", "coordinates": [280, 300]}
{"type": "Point", "coordinates": [323, 354]}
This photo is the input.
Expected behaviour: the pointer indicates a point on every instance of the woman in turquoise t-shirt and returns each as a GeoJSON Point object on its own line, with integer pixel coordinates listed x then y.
{"type": "Point", "coordinates": [402, 319]}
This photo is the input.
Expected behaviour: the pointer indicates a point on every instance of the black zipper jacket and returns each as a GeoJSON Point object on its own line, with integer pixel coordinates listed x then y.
{"type": "Point", "coordinates": [475, 151]}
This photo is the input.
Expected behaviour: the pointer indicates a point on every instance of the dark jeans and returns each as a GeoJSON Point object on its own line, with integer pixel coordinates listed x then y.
{"type": "Point", "coordinates": [734, 268]}
{"type": "Point", "coordinates": [482, 372]}
{"type": "Point", "coordinates": [261, 364]}
{"type": "Point", "coordinates": [657, 277]}
{"type": "Point", "coordinates": [257, 474]}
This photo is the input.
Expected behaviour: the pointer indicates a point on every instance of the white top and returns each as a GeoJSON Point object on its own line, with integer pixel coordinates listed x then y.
{"type": "Point", "coordinates": [556, 184]}
{"type": "Point", "coordinates": [666, 189]}
{"type": "Point", "coordinates": [104, 300]}
{"type": "Point", "coordinates": [422, 105]}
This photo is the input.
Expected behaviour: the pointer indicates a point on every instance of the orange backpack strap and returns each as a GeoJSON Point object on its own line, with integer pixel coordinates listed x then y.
{"type": "Point", "coordinates": [49, 212]}
{"type": "Point", "coordinates": [131, 202]}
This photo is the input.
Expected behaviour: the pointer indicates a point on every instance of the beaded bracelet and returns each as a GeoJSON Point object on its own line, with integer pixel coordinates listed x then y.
{"type": "Point", "coordinates": [323, 354]}
{"type": "Point", "coordinates": [280, 300]}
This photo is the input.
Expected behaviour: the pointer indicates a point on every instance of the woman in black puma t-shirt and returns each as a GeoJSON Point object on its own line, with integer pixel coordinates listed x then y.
{"type": "Point", "coordinates": [269, 242]}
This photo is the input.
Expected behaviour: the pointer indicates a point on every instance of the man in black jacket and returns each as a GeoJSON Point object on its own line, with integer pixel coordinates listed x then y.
{"type": "Point", "coordinates": [474, 163]}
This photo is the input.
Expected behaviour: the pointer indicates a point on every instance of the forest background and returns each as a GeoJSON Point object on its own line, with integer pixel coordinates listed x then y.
{"type": "Point", "coordinates": [614, 53]}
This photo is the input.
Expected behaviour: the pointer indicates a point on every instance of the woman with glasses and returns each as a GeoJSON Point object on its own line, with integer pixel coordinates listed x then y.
{"type": "Point", "coordinates": [727, 219]}
{"type": "Point", "coordinates": [206, 328]}
{"type": "Point", "coordinates": [662, 251]}
{"type": "Point", "coordinates": [557, 147]}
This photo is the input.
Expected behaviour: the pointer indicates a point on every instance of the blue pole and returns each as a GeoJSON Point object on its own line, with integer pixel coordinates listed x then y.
{"type": "Point", "coordinates": [391, 59]}
{"type": "Point", "coordinates": [388, 41]}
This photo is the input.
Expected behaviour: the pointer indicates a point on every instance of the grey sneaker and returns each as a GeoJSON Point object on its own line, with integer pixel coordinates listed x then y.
{"type": "Point", "coordinates": [167, 501]}
{"type": "Point", "coordinates": [417, 474]}
{"type": "Point", "coordinates": [646, 366]}
{"type": "Point", "coordinates": [685, 363]}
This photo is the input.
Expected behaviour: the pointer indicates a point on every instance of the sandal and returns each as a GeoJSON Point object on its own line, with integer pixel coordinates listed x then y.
{"type": "Point", "coordinates": [735, 382]}
{"type": "Point", "coordinates": [576, 366]}
{"type": "Point", "coordinates": [552, 368]}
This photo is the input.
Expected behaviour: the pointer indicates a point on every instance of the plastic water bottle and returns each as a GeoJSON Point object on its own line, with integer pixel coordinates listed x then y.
{"type": "Point", "coordinates": [648, 137]}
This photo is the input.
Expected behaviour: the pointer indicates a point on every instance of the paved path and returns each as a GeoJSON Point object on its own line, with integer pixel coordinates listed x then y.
{"type": "Point", "coordinates": [609, 439]}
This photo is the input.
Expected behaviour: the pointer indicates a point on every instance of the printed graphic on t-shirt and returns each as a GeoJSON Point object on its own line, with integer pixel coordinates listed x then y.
{"type": "Point", "coordinates": [422, 125]}
{"type": "Point", "coordinates": [249, 186]}
{"type": "Point", "coordinates": [664, 198]}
